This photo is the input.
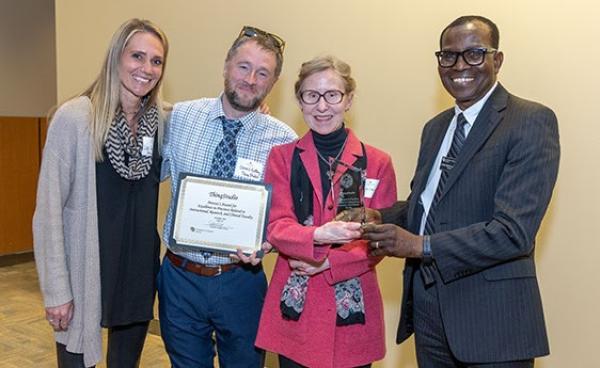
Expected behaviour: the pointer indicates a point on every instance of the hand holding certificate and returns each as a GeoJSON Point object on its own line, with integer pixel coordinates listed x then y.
{"type": "Point", "coordinates": [220, 214]}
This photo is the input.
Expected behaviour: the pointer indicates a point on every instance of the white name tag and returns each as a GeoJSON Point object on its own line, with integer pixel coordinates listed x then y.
{"type": "Point", "coordinates": [147, 146]}
{"type": "Point", "coordinates": [249, 169]}
{"type": "Point", "coordinates": [370, 186]}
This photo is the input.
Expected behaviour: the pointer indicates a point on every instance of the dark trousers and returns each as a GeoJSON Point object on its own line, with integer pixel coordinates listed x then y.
{"type": "Point", "coordinates": [430, 339]}
{"type": "Point", "coordinates": [288, 363]}
{"type": "Point", "coordinates": [125, 344]}
{"type": "Point", "coordinates": [194, 310]}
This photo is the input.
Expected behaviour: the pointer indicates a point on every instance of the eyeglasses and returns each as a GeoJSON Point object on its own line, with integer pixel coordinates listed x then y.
{"type": "Point", "coordinates": [474, 56]}
{"type": "Point", "coordinates": [332, 97]}
{"type": "Point", "coordinates": [249, 31]}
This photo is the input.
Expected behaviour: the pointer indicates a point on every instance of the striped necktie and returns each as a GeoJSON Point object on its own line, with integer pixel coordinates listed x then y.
{"type": "Point", "coordinates": [448, 162]}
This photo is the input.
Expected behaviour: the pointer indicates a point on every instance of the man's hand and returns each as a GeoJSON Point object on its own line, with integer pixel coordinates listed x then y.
{"type": "Point", "coordinates": [302, 268]}
{"type": "Point", "coordinates": [337, 232]}
{"type": "Point", "coordinates": [253, 258]}
{"type": "Point", "coordinates": [368, 216]}
{"type": "Point", "coordinates": [264, 108]}
{"type": "Point", "coordinates": [394, 241]}
{"type": "Point", "coordinates": [60, 316]}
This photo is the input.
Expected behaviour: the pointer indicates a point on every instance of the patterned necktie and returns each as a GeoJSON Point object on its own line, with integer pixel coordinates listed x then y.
{"type": "Point", "coordinates": [448, 162]}
{"type": "Point", "coordinates": [225, 157]}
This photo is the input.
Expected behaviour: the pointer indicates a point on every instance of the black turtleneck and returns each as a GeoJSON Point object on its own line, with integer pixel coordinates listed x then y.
{"type": "Point", "coordinates": [328, 145]}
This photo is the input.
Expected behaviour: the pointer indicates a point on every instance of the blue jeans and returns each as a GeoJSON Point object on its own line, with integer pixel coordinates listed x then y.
{"type": "Point", "coordinates": [192, 308]}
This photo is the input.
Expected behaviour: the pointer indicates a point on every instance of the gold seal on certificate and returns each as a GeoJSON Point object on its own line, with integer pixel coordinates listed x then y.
{"type": "Point", "coordinates": [220, 214]}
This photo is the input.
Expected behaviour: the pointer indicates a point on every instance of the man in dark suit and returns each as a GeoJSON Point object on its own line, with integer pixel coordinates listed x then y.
{"type": "Point", "coordinates": [484, 178]}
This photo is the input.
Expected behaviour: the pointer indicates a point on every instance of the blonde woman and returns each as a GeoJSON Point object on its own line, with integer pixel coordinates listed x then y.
{"type": "Point", "coordinates": [95, 239]}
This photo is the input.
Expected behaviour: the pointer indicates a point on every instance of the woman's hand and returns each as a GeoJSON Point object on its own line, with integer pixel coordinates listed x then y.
{"type": "Point", "coordinates": [267, 247]}
{"type": "Point", "coordinates": [60, 316]}
{"type": "Point", "coordinates": [337, 232]}
{"type": "Point", "coordinates": [302, 268]}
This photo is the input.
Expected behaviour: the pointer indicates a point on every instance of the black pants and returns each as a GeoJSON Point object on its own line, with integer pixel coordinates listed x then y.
{"type": "Point", "coordinates": [125, 344]}
{"type": "Point", "coordinates": [288, 363]}
{"type": "Point", "coordinates": [431, 345]}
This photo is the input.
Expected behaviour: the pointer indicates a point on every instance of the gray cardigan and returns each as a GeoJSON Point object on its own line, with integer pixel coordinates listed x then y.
{"type": "Point", "coordinates": [65, 228]}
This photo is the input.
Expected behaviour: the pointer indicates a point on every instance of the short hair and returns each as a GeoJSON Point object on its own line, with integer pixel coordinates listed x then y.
{"type": "Point", "coordinates": [265, 41]}
{"type": "Point", "coordinates": [104, 91]}
{"type": "Point", "coordinates": [494, 32]}
{"type": "Point", "coordinates": [322, 63]}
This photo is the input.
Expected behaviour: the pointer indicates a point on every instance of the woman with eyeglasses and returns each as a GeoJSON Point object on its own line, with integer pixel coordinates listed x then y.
{"type": "Point", "coordinates": [323, 306]}
{"type": "Point", "coordinates": [95, 239]}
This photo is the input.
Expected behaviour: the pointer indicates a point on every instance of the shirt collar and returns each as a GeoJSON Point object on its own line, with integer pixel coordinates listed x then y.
{"type": "Point", "coordinates": [472, 111]}
{"type": "Point", "coordinates": [248, 121]}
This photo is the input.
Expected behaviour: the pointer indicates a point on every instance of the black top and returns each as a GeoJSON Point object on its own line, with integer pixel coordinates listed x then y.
{"type": "Point", "coordinates": [328, 145]}
{"type": "Point", "coordinates": [129, 242]}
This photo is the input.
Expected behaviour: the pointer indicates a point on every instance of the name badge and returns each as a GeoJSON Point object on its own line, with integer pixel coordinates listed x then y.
{"type": "Point", "coordinates": [147, 146]}
{"type": "Point", "coordinates": [447, 163]}
{"type": "Point", "coordinates": [248, 169]}
{"type": "Point", "coordinates": [370, 186]}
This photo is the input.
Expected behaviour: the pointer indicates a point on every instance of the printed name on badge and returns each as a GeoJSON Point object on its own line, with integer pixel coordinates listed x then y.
{"type": "Point", "coordinates": [147, 146]}
{"type": "Point", "coordinates": [370, 186]}
{"type": "Point", "coordinates": [249, 169]}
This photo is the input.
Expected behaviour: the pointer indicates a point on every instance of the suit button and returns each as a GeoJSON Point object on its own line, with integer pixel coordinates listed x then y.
{"type": "Point", "coordinates": [330, 207]}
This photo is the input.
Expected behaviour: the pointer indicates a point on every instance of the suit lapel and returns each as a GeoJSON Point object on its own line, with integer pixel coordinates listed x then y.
{"type": "Point", "coordinates": [430, 149]}
{"type": "Point", "coordinates": [488, 119]}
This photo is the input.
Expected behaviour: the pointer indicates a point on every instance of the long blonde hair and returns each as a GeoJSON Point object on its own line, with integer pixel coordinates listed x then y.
{"type": "Point", "coordinates": [104, 91]}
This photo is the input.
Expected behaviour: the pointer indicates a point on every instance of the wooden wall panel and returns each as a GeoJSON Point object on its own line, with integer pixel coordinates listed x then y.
{"type": "Point", "coordinates": [43, 132]}
{"type": "Point", "coordinates": [19, 166]}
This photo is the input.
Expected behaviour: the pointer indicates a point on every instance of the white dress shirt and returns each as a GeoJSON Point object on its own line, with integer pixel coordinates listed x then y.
{"type": "Point", "coordinates": [470, 115]}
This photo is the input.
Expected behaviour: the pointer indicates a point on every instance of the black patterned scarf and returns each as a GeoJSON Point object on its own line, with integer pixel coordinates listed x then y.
{"type": "Point", "coordinates": [124, 150]}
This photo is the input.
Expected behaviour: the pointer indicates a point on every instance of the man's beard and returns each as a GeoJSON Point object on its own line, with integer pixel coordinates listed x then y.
{"type": "Point", "coordinates": [236, 103]}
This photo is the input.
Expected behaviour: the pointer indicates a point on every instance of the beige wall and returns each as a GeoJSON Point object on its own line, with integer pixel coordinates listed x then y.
{"type": "Point", "coordinates": [550, 56]}
{"type": "Point", "coordinates": [28, 58]}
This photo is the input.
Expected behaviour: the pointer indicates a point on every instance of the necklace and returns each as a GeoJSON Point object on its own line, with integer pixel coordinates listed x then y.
{"type": "Point", "coordinates": [332, 164]}
{"type": "Point", "coordinates": [131, 113]}
{"type": "Point", "coordinates": [134, 111]}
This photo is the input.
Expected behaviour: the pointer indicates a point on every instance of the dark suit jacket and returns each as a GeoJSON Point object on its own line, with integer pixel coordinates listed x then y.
{"type": "Point", "coordinates": [486, 223]}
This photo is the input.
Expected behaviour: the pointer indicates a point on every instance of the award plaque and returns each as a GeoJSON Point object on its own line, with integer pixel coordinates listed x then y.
{"type": "Point", "coordinates": [351, 190]}
{"type": "Point", "coordinates": [352, 187]}
{"type": "Point", "coordinates": [220, 214]}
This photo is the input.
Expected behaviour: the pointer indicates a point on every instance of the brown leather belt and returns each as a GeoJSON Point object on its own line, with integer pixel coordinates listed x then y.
{"type": "Point", "coordinates": [197, 268]}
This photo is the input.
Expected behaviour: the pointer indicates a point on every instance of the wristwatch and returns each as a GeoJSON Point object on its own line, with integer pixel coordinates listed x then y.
{"type": "Point", "coordinates": [427, 256]}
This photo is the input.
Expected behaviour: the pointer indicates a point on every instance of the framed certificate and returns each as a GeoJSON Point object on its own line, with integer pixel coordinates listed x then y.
{"type": "Point", "coordinates": [220, 214]}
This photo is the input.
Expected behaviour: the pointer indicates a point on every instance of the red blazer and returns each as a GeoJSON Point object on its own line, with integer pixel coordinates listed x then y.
{"type": "Point", "coordinates": [315, 340]}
